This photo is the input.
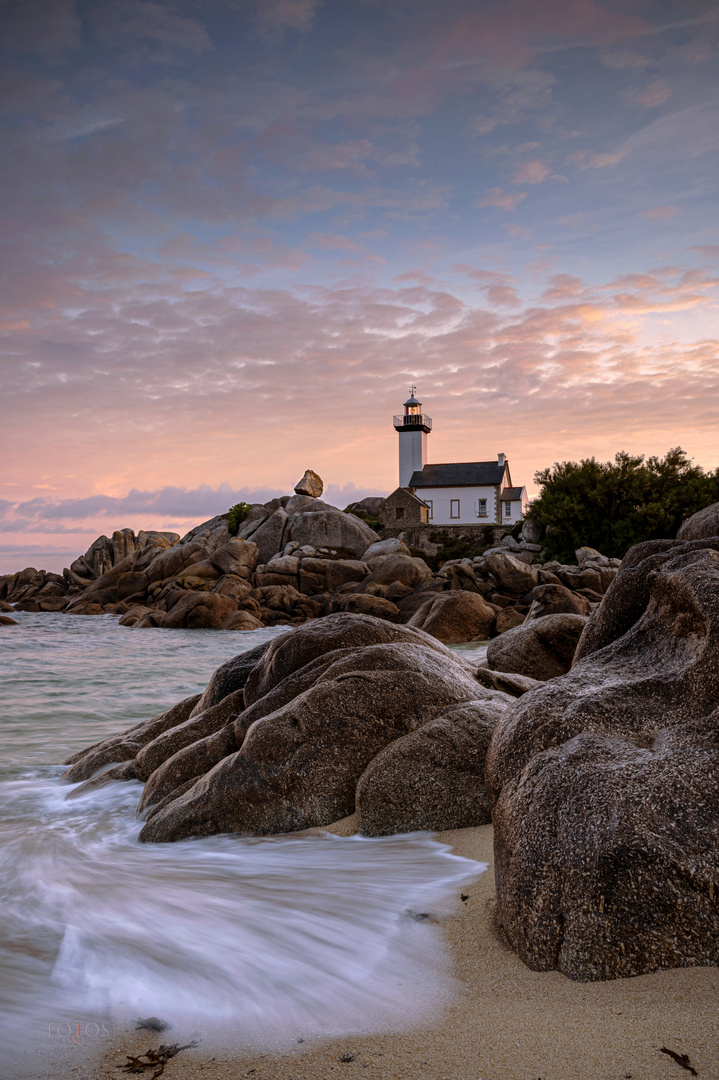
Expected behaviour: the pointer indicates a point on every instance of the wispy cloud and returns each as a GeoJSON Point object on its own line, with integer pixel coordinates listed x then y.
{"type": "Point", "coordinates": [503, 200]}
{"type": "Point", "coordinates": [661, 213]}
{"type": "Point", "coordinates": [233, 232]}
{"type": "Point", "coordinates": [650, 96]}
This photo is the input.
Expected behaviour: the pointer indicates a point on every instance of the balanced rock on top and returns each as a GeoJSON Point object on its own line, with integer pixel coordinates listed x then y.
{"type": "Point", "coordinates": [310, 484]}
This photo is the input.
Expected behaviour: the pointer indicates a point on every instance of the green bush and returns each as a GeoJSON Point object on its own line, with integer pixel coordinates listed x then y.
{"type": "Point", "coordinates": [373, 522]}
{"type": "Point", "coordinates": [613, 505]}
{"type": "Point", "coordinates": [236, 515]}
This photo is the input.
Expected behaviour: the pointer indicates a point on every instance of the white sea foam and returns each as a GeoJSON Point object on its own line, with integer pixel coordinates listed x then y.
{"type": "Point", "coordinates": [264, 938]}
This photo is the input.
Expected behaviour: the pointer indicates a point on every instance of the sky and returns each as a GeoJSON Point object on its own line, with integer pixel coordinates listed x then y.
{"type": "Point", "coordinates": [234, 232]}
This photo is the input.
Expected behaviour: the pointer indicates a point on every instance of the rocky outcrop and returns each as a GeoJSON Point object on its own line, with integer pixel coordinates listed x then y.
{"type": "Point", "coordinates": [297, 558]}
{"type": "Point", "coordinates": [107, 552]}
{"type": "Point", "coordinates": [542, 649]}
{"type": "Point", "coordinates": [603, 782]}
{"type": "Point", "coordinates": [200, 610]}
{"type": "Point", "coordinates": [270, 534]}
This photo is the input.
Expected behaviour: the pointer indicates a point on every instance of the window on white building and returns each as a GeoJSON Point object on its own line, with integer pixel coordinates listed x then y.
{"type": "Point", "coordinates": [454, 508]}
{"type": "Point", "coordinates": [482, 508]}
{"type": "Point", "coordinates": [508, 510]}
{"type": "Point", "coordinates": [429, 504]}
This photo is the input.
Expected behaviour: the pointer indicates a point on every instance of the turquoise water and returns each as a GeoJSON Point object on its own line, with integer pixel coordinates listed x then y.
{"type": "Point", "coordinates": [276, 936]}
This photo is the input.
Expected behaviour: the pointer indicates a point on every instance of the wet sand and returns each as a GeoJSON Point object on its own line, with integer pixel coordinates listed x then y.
{"type": "Point", "coordinates": [504, 1023]}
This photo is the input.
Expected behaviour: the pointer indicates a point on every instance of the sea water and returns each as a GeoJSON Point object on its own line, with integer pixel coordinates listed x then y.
{"type": "Point", "coordinates": [281, 936]}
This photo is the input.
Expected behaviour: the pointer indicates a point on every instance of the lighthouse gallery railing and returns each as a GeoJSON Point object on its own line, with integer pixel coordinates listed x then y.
{"type": "Point", "coordinates": [413, 420]}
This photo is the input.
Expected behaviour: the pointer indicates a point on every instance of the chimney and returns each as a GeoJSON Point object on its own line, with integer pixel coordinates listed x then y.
{"type": "Point", "coordinates": [500, 460]}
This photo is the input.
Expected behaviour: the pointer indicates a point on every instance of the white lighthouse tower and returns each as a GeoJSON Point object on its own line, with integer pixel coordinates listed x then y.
{"type": "Point", "coordinates": [413, 428]}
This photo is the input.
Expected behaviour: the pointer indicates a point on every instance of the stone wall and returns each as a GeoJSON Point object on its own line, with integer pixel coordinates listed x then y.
{"type": "Point", "coordinates": [420, 536]}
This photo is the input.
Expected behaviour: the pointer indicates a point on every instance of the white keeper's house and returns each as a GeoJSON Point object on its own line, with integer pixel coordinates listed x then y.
{"type": "Point", "coordinates": [454, 493]}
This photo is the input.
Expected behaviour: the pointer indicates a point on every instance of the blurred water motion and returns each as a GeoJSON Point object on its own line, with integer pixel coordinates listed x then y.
{"type": "Point", "coordinates": [262, 936]}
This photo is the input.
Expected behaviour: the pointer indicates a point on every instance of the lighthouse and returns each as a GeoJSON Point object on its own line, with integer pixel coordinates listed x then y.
{"type": "Point", "coordinates": [413, 428]}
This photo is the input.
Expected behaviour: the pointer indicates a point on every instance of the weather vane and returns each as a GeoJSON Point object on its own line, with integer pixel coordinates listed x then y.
{"type": "Point", "coordinates": [412, 390]}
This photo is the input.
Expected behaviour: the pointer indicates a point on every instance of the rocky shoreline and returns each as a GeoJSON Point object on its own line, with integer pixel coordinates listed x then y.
{"type": "Point", "coordinates": [298, 558]}
{"type": "Point", "coordinates": [588, 737]}
{"type": "Point", "coordinates": [590, 742]}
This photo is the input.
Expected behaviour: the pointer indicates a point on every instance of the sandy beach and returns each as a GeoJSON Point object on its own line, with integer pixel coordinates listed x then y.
{"type": "Point", "coordinates": [505, 1022]}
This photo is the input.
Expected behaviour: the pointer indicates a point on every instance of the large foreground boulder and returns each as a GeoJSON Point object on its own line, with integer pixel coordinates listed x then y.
{"type": "Point", "coordinates": [542, 648]}
{"type": "Point", "coordinates": [282, 735]}
{"type": "Point", "coordinates": [299, 766]}
{"type": "Point", "coordinates": [604, 785]}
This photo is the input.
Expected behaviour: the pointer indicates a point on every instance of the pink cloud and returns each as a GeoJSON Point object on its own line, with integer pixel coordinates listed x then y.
{"type": "Point", "coordinates": [503, 296]}
{"type": "Point", "coordinates": [649, 97]}
{"type": "Point", "coordinates": [587, 159]}
{"type": "Point", "coordinates": [504, 200]}
{"type": "Point", "coordinates": [531, 172]}
{"type": "Point", "coordinates": [518, 230]}
{"type": "Point", "coordinates": [660, 213]}
{"type": "Point", "coordinates": [709, 251]}
{"type": "Point", "coordinates": [178, 392]}
{"type": "Point", "coordinates": [420, 276]}
{"type": "Point", "coordinates": [331, 242]}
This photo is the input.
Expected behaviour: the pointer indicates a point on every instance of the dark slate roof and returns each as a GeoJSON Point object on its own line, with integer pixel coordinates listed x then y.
{"type": "Point", "coordinates": [458, 474]}
{"type": "Point", "coordinates": [511, 494]}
